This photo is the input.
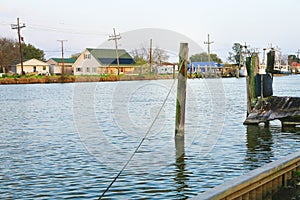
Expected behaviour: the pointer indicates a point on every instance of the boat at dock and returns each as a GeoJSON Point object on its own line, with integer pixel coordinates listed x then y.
{"type": "Point", "coordinates": [282, 69]}
{"type": "Point", "coordinates": [243, 71]}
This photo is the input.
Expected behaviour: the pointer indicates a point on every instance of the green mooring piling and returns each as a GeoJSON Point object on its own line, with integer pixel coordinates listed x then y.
{"type": "Point", "coordinates": [262, 105]}
{"type": "Point", "coordinates": [252, 64]}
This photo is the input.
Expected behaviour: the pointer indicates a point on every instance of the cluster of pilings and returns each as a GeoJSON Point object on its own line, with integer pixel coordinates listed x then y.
{"type": "Point", "coordinates": [261, 105]}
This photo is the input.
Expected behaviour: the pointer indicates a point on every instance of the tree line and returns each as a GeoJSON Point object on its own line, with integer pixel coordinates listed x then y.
{"type": "Point", "coordinates": [10, 54]}
{"type": "Point", "coordinates": [142, 56]}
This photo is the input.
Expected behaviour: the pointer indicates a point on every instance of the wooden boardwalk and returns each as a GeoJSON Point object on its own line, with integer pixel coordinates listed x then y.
{"type": "Point", "coordinates": [259, 184]}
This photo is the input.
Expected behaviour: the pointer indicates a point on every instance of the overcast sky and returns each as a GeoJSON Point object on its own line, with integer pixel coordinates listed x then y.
{"type": "Point", "coordinates": [89, 23]}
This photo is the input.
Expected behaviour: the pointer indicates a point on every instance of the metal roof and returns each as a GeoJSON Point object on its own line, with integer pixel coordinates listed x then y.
{"type": "Point", "coordinates": [108, 56]}
{"type": "Point", "coordinates": [66, 60]}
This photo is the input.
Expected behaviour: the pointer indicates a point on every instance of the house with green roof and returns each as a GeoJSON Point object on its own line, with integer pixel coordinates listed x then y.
{"type": "Point", "coordinates": [56, 65]}
{"type": "Point", "coordinates": [103, 61]}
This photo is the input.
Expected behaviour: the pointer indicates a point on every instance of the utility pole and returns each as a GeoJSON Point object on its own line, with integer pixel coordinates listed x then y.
{"type": "Point", "coordinates": [116, 38]}
{"type": "Point", "coordinates": [298, 52]}
{"type": "Point", "coordinates": [208, 51]}
{"type": "Point", "coordinates": [150, 56]}
{"type": "Point", "coordinates": [62, 59]}
{"type": "Point", "coordinates": [18, 27]}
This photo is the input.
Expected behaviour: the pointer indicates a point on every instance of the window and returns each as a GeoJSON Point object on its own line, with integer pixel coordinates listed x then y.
{"type": "Point", "coordinates": [78, 69]}
{"type": "Point", "coordinates": [94, 70]}
{"type": "Point", "coordinates": [87, 56]}
{"type": "Point", "coordinates": [44, 67]}
{"type": "Point", "coordinates": [87, 69]}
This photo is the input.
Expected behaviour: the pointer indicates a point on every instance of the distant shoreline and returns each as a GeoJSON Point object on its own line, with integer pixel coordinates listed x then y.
{"type": "Point", "coordinates": [88, 78]}
{"type": "Point", "coordinates": [72, 79]}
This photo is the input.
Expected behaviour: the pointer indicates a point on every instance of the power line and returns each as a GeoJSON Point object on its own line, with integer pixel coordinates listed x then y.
{"type": "Point", "coordinates": [4, 24]}
{"type": "Point", "coordinates": [19, 27]}
{"type": "Point", "coordinates": [52, 29]}
{"type": "Point", "coordinates": [298, 52]}
{"type": "Point", "coordinates": [116, 38]}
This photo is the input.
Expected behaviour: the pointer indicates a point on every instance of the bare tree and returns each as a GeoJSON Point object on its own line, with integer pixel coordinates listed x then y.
{"type": "Point", "coordinates": [139, 55]}
{"type": "Point", "coordinates": [158, 55]}
{"type": "Point", "coordinates": [9, 54]}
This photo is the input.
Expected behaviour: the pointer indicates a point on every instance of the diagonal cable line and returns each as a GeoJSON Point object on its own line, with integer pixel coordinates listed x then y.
{"type": "Point", "coordinates": [141, 142]}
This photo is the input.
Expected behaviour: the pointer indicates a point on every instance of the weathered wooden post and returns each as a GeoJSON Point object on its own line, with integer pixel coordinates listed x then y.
{"type": "Point", "coordinates": [150, 57]}
{"type": "Point", "coordinates": [248, 67]}
{"type": "Point", "coordinates": [264, 82]}
{"type": "Point", "coordinates": [252, 64]}
{"type": "Point", "coordinates": [173, 71]}
{"type": "Point", "coordinates": [270, 61]}
{"type": "Point", "coordinates": [181, 90]}
{"type": "Point", "coordinates": [141, 69]}
{"type": "Point", "coordinates": [237, 72]}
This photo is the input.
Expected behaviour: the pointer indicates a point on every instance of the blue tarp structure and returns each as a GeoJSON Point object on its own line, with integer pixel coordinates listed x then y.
{"type": "Point", "coordinates": [203, 65]}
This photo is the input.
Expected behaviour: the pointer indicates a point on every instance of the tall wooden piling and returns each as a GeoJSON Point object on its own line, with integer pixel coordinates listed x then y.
{"type": "Point", "coordinates": [270, 61]}
{"type": "Point", "coordinates": [262, 106]}
{"type": "Point", "coordinates": [150, 57]}
{"type": "Point", "coordinates": [181, 90]}
{"type": "Point", "coordinates": [252, 64]}
{"type": "Point", "coordinates": [248, 66]}
{"type": "Point", "coordinates": [173, 71]}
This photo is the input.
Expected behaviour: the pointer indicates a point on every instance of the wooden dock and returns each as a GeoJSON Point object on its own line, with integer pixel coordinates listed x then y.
{"type": "Point", "coordinates": [285, 109]}
{"type": "Point", "coordinates": [259, 184]}
{"type": "Point", "coordinates": [262, 106]}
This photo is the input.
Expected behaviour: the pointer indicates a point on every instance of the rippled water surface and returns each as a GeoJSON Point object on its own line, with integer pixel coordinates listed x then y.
{"type": "Point", "coordinates": [65, 141]}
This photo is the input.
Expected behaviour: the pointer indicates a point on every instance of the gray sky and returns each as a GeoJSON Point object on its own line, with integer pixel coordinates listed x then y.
{"type": "Point", "coordinates": [89, 23]}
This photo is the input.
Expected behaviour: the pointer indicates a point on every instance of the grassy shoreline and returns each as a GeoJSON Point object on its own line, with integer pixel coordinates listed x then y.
{"type": "Point", "coordinates": [25, 79]}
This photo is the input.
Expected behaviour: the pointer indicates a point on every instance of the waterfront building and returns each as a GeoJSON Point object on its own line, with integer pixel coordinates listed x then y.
{"type": "Point", "coordinates": [103, 61]}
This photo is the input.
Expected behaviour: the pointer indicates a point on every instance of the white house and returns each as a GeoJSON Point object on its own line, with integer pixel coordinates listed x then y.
{"type": "Point", "coordinates": [33, 66]}
{"type": "Point", "coordinates": [166, 68]}
{"type": "Point", "coordinates": [103, 61]}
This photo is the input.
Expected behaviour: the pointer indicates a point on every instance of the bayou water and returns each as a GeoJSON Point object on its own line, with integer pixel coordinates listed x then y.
{"type": "Point", "coordinates": [69, 141]}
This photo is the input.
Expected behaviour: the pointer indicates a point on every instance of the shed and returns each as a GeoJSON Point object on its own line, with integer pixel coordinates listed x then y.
{"type": "Point", "coordinates": [33, 66]}
{"type": "Point", "coordinates": [56, 65]}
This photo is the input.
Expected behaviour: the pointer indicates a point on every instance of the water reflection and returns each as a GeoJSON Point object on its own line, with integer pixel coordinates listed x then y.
{"type": "Point", "coordinates": [263, 143]}
{"type": "Point", "coordinates": [181, 175]}
{"type": "Point", "coordinates": [259, 146]}
{"type": "Point", "coordinates": [290, 129]}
